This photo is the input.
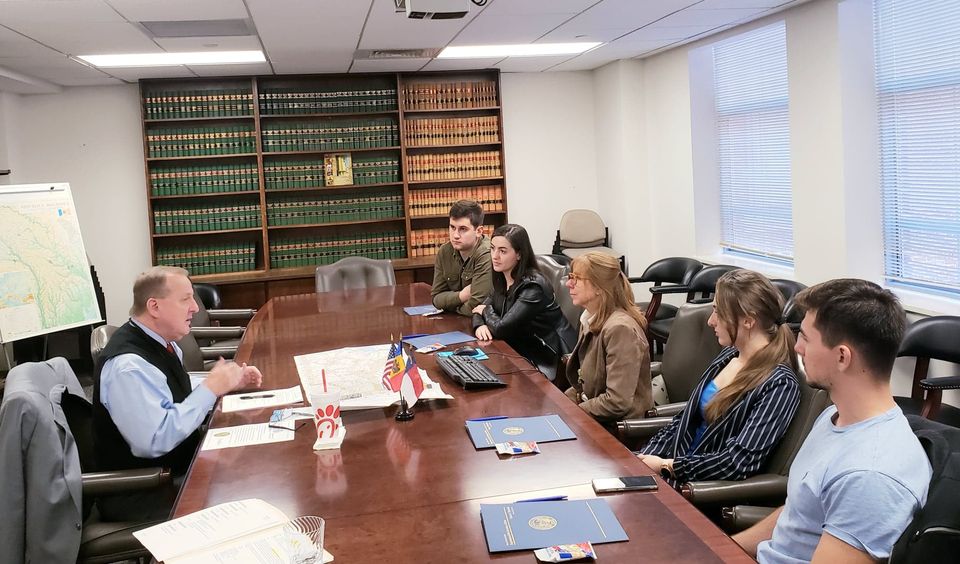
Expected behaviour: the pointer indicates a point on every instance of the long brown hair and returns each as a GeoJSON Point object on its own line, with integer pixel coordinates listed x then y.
{"type": "Point", "coordinates": [613, 288]}
{"type": "Point", "coordinates": [740, 294]}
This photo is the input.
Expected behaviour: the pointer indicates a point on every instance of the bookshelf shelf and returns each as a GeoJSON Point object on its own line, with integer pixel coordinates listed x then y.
{"type": "Point", "coordinates": [336, 223]}
{"type": "Point", "coordinates": [195, 119]}
{"type": "Point", "coordinates": [205, 195]}
{"type": "Point", "coordinates": [197, 157]}
{"type": "Point", "coordinates": [264, 116]}
{"type": "Point", "coordinates": [328, 151]}
{"type": "Point", "coordinates": [212, 232]}
{"type": "Point", "coordinates": [251, 114]}
{"type": "Point", "coordinates": [447, 110]}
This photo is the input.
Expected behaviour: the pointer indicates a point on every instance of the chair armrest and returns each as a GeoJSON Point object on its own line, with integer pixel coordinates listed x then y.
{"type": "Point", "coordinates": [229, 332]}
{"type": "Point", "coordinates": [941, 383]}
{"type": "Point", "coordinates": [667, 409]}
{"type": "Point", "coordinates": [122, 481]}
{"type": "Point", "coordinates": [742, 517]}
{"type": "Point", "coordinates": [640, 429]}
{"type": "Point", "coordinates": [759, 488]}
{"type": "Point", "coordinates": [213, 353]}
{"type": "Point", "coordinates": [675, 289]}
{"type": "Point", "coordinates": [656, 368]}
{"type": "Point", "coordinates": [231, 314]}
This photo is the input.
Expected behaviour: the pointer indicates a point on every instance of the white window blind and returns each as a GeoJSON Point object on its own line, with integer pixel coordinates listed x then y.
{"type": "Point", "coordinates": [917, 44]}
{"type": "Point", "coordinates": [750, 86]}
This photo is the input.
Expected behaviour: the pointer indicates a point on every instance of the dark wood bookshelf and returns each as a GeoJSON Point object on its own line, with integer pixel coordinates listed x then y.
{"type": "Point", "coordinates": [427, 148]}
{"type": "Point", "coordinates": [445, 110]}
{"type": "Point", "coordinates": [331, 115]}
{"type": "Point", "coordinates": [337, 223]}
{"type": "Point", "coordinates": [204, 195]}
{"type": "Point", "coordinates": [331, 188]}
{"type": "Point", "coordinates": [203, 157]}
{"type": "Point", "coordinates": [195, 119]}
{"type": "Point", "coordinates": [329, 151]}
{"type": "Point", "coordinates": [213, 232]}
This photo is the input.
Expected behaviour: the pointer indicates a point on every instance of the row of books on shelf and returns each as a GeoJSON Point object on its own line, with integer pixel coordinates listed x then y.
{"type": "Point", "coordinates": [331, 135]}
{"type": "Point", "coordinates": [449, 95]}
{"type": "Point", "coordinates": [453, 166]}
{"type": "Point", "coordinates": [427, 242]}
{"type": "Point", "coordinates": [210, 259]}
{"type": "Point", "coordinates": [198, 218]}
{"type": "Point", "coordinates": [292, 101]}
{"type": "Point", "coordinates": [183, 104]}
{"type": "Point", "coordinates": [309, 251]}
{"type": "Point", "coordinates": [203, 179]}
{"type": "Point", "coordinates": [303, 210]}
{"type": "Point", "coordinates": [437, 201]}
{"type": "Point", "coordinates": [452, 131]}
{"type": "Point", "coordinates": [201, 141]}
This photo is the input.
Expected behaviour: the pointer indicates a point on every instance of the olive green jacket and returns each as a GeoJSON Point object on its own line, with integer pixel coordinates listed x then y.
{"type": "Point", "coordinates": [451, 274]}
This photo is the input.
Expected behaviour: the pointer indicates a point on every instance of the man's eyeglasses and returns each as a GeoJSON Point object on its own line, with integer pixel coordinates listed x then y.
{"type": "Point", "coordinates": [572, 277]}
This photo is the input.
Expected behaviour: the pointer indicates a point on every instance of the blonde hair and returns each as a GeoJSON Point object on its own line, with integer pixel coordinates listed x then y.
{"type": "Point", "coordinates": [153, 284]}
{"type": "Point", "coordinates": [613, 288]}
{"type": "Point", "coordinates": [740, 294]}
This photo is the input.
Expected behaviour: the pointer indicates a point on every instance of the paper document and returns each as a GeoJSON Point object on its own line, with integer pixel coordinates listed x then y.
{"type": "Point", "coordinates": [422, 310]}
{"type": "Point", "coordinates": [541, 429]}
{"type": "Point", "coordinates": [357, 373]}
{"type": "Point", "coordinates": [244, 435]}
{"type": "Point", "coordinates": [261, 398]}
{"type": "Point", "coordinates": [520, 526]}
{"type": "Point", "coordinates": [249, 531]}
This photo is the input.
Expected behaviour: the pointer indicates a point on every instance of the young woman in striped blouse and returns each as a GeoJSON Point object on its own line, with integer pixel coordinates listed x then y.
{"type": "Point", "coordinates": [747, 396]}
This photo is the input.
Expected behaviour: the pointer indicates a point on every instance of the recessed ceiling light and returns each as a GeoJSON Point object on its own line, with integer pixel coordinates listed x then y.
{"type": "Point", "coordinates": [528, 50]}
{"type": "Point", "coordinates": [173, 59]}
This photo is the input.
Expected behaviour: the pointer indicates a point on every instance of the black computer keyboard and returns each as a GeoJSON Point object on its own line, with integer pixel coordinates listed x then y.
{"type": "Point", "coordinates": [468, 372]}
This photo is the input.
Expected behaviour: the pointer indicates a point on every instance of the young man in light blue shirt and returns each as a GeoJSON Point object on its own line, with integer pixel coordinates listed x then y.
{"type": "Point", "coordinates": [861, 473]}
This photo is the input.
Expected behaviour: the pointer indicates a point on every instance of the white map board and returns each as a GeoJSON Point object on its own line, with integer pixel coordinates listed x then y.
{"type": "Point", "coordinates": [45, 283]}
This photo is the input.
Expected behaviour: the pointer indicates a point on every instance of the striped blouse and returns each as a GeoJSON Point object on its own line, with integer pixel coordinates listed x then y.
{"type": "Point", "coordinates": [735, 446]}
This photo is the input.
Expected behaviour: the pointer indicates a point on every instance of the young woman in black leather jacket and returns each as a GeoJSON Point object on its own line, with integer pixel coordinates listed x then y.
{"type": "Point", "coordinates": [522, 310]}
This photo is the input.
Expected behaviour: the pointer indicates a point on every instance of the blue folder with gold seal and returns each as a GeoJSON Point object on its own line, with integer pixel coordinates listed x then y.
{"type": "Point", "coordinates": [541, 429]}
{"type": "Point", "coordinates": [538, 524]}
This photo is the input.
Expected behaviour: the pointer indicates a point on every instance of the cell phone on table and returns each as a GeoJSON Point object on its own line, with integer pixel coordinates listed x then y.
{"type": "Point", "coordinates": [624, 484]}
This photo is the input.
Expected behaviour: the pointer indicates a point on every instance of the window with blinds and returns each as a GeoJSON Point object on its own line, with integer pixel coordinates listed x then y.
{"type": "Point", "coordinates": [750, 88]}
{"type": "Point", "coordinates": [917, 49]}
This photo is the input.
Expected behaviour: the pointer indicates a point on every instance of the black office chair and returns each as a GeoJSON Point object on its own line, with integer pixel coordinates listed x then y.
{"type": "Point", "coordinates": [208, 295]}
{"type": "Point", "coordinates": [792, 314]}
{"type": "Point", "coordinates": [701, 288]}
{"type": "Point", "coordinates": [554, 268]}
{"type": "Point", "coordinates": [932, 338]}
{"type": "Point", "coordinates": [47, 397]}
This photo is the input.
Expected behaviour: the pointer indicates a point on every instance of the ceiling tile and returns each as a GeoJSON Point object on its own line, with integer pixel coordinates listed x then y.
{"type": "Point", "coordinates": [231, 70]}
{"type": "Point", "coordinates": [15, 45]}
{"type": "Point", "coordinates": [23, 12]}
{"type": "Point", "coordinates": [658, 32]}
{"type": "Point", "coordinates": [568, 34]}
{"type": "Point", "coordinates": [103, 81]}
{"type": "Point", "coordinates": [531, 64]}
{"type": "Point", "coordinates": [180, 10]}
{"type": "Point", "coordinates": [721, 4]}
{"type": "Point", "coordinates": [132, 75]}
{"type": "Point", "coordinates": [389, 65]}
{"type": "Point", "coordinates": [626, 13]}
{"type": "Point", "coordinates": [461, 64]}
{"type": "Point", "coordinates": [300, 35]}
{"type": "Point", "coordinates": [493, 30]}
{"type": "Point", "coordinates": [300, 62]}
{"type": "Point", "coordinates": [387, 29]}
{"type": "Point", "coordinates": [92, 38]}
{"type": "Point", "coordinates": [707, 17]}
{"type": "Point", "coordinates": [538, 7]}
{"type": "Point", "coordinates": [186, 44]}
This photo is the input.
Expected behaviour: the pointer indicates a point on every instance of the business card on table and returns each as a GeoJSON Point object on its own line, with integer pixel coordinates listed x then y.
{"type": "Point", "coordinates": [430, 348]}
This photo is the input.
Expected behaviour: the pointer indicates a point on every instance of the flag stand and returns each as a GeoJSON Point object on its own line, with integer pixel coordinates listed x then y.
{"type": "Point", "coordinates": [405, 413]}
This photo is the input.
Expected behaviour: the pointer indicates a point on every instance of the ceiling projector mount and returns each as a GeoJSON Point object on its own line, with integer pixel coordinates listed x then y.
{"type": "Point", "coordinates": [436, 9]}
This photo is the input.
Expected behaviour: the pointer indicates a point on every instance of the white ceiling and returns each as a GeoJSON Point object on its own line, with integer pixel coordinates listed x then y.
{"type": "Point", "coordinates": [38, 38]}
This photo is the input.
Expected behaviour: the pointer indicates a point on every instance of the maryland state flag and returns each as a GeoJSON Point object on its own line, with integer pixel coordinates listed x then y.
{"type": "Point", "coordinates": [393, 370]}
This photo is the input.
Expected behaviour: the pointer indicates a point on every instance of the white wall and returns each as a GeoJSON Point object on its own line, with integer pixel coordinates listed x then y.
{"type": "Point", "coordinates": [90, 137]}
{"type": "Point", "coordinates": [551, 157]}
{"type": "Point", "coordinates": [7, 101]}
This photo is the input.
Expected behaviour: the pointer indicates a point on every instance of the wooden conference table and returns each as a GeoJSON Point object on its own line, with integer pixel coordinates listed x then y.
{"type": "Point", "coordinates": [411, 492]}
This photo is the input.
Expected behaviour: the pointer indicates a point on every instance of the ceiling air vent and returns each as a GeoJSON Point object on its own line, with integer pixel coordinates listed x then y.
{"type": "Point", "coordinates": [392, 54]}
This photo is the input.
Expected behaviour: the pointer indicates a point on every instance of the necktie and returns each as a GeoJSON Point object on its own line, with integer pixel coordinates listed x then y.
{"type": "Point", "coordinates": [170, 348]}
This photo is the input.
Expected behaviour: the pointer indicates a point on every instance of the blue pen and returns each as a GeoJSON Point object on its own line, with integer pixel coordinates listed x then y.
{"type": "Point", "coordinates": [494, 418]}
{"type": "Point", "coordinates": [551, 498]}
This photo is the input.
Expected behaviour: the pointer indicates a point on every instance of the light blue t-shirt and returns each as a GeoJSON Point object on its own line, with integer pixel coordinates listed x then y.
{"type": "Point", "coordinates": [861, 484]}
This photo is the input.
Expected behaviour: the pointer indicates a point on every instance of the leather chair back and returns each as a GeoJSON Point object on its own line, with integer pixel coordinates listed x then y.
{"type": "Point", "coordinates": [98, 340]}
{"type": "Point", "coordinates": [353, 273]}
{"type": "Point", "coordinates": [208, 295]}
{"type": "Point", "coordinates": [788, 288]}
{"type": "Point", "coordinates": [930, 338]}
{"type": "Point", "coordinates": [582, 228]}
{"type": "Point", "coordinates": [554, 269]}
{"type": "Point", "coordinates": [704, 282]}
{"type": "Point", "coordinates": [671, 270]}
{"type": "Point", "coordinates": [812, 404]}
{"type": "Point", "coordinates": [692, 347]}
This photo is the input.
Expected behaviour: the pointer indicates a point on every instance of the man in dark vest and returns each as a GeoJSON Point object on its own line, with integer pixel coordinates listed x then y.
{"type": "Point", "coordinates": [144, 410]}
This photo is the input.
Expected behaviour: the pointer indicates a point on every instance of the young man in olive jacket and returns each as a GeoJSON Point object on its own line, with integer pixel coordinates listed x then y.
{"type": "Point", "coordinates": [461, 274]}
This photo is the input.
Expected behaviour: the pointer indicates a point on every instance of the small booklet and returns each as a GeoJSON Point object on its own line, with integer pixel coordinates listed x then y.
{"type": "Point", "coordinates": [238, 532]}
{"type": "Point", "coordinates": [449, 338]}
{"type": "Point", "coordinates": [422, 310]}
{"type": "Point", "coordinates": [540, 429]}
{"type": "Point", "coordinates": [520, 526]}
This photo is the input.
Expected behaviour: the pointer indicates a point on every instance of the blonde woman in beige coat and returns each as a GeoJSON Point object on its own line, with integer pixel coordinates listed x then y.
{"type": "Point", "coordinates": [609, 369]}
